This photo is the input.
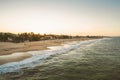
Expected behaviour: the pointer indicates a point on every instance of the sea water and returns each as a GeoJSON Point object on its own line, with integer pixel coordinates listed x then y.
{"type": "Point", "coordinates": [40, 56]}
{"type": "Point", "coordinates": [97, 59]}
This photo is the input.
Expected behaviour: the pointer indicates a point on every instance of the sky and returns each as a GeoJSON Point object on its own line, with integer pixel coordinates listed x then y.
{"type": "Point", "coordinates": [74, 17]}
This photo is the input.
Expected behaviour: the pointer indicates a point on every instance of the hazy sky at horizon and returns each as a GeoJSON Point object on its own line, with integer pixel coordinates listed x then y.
{"type": "Point", "coordinates": [82, 17]}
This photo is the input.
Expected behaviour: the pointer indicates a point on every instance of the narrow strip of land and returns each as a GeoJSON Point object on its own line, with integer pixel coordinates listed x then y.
{"type": "Point", "coordinates": [7, 48]}
{"type": "Point", "coordinates": [11, 52]}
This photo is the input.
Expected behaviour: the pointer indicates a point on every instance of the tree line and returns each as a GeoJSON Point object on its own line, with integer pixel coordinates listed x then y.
{"type": "Point", "coordinates": [21, 37]}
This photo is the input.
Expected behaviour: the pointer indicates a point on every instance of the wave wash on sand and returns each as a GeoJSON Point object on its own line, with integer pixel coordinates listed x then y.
{"type": "Point", "coordinates": [39, 57]}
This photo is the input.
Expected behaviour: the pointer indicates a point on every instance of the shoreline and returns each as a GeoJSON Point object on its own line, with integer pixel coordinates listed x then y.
{"type": "Point", "coordinates": [8, 48]}
{"type": "Point", "coordinates": [13, 52]}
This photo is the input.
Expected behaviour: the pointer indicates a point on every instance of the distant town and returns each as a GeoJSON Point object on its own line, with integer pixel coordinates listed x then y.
{"type": "Point", "coordinates": [21, 37]}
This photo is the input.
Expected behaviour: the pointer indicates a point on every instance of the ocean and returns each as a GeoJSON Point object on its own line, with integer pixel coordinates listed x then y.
{"type": "Point", "coordinates": [97, 59]}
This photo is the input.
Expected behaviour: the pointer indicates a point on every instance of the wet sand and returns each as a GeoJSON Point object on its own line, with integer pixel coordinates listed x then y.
{"type": "Point", "coordinates": [13, 57]}
{"type": "Point", "coordinates": [11, 52]}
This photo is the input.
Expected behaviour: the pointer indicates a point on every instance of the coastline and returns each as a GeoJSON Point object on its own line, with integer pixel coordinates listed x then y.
{"type": "Point", "coordinates": [9, 48]}
{"type": "Point", "coordinates": [18, 71]}
{"type": "Point", "coordinates": [11, 52]}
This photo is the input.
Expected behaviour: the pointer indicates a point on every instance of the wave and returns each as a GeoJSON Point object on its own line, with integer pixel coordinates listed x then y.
{"type": "Point", "coordinates": [40, 56]}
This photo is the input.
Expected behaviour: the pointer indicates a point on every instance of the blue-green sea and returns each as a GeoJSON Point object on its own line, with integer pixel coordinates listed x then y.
{"type": "Point", "coordinates": [87, 60]}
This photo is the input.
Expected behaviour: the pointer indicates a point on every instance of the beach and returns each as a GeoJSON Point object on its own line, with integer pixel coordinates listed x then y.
{"type": "Point", "coordinates": [11, 52]}
{"type": "Point", "coordinates": [87, 60]}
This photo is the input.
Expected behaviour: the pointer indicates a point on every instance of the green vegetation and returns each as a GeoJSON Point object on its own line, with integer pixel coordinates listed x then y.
{"type": "Point", "coordinates": [10, 37]}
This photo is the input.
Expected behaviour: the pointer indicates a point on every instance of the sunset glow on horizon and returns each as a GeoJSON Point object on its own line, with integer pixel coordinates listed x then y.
{"type": "Point", "coordinates": [75, 17]}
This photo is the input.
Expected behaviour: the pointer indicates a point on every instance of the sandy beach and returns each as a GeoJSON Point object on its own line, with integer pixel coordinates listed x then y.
{"type": "Point", "coordinates": [10, 52]}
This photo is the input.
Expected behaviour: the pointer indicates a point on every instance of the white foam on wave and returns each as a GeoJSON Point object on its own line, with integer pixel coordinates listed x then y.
{"type": "Point", "coordinates": [40, 56]}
